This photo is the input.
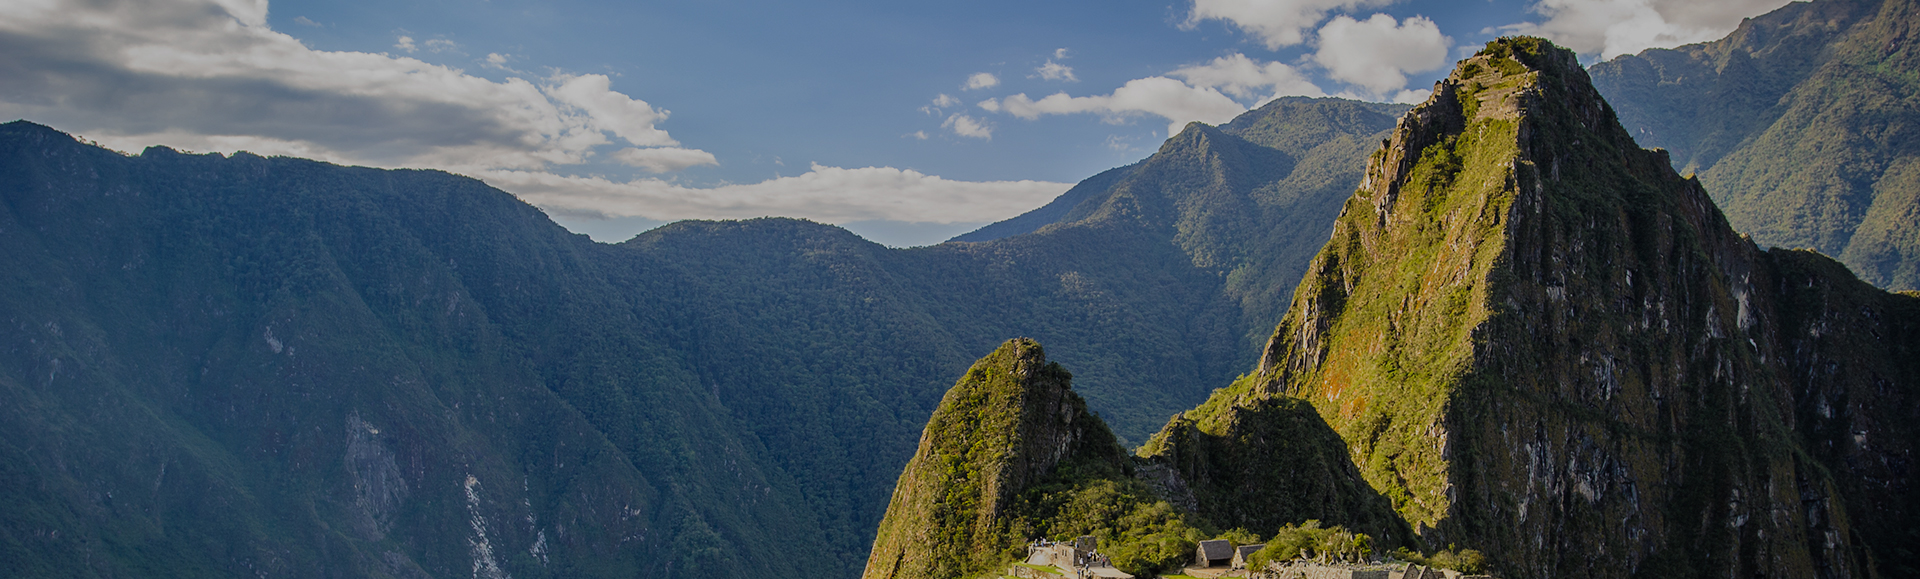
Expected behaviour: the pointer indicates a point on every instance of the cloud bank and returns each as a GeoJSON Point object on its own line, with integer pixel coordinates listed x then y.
{"type": "Point", "coordinates": [829, 194]}
{"type": "Point", "coordinates": [211, 75]}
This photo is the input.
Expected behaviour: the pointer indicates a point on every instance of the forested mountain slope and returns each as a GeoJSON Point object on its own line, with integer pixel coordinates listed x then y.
{"type": "Point", "coordinates": [1804, 125]}
{"type": "Point", "coordinates": [1542, 343]}
{"type": "Point", "coordinates": [236, 364]}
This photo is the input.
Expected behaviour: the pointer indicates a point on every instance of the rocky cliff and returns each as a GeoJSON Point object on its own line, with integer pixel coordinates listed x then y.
{"type": "Point", "coordinates": [1540, 342]}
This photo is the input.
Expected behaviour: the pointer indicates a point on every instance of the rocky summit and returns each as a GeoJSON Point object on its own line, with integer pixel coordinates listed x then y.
{"type": "Point", "coordinates": [1540, 341]}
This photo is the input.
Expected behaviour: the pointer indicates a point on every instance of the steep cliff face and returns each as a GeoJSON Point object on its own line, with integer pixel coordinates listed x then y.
{"type": "Point", "coordinates": [1003, 428]}
{"type": "Point", "coordinates": [1540, 342]}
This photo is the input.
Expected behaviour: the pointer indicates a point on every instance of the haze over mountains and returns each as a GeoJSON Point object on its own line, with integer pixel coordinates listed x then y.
{"type": "Point", "coordinates": [237, 365]}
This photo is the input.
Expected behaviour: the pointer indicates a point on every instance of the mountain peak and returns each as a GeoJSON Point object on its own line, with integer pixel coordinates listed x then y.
{"type": "Point", "coordinates": [1008, 422]}
{"type": "Point", "coordinates": [1524, 326]}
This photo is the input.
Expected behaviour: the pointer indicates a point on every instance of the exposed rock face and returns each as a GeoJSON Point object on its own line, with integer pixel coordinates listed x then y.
{"type": "Point", "coordinates": [1540, 342]}
{"type": "Point", "coordinates": [1003, 426]}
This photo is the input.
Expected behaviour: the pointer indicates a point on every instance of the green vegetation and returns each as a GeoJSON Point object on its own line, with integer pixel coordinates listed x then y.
{"type": "Point", "coordinates": [736, 396]}
{"type": "Point", "coordinates": [1309, 541]}
{"type": "Point", "coordinates": [1467, 561]}
{"type": "Point", "coordinates": [1796, 124]}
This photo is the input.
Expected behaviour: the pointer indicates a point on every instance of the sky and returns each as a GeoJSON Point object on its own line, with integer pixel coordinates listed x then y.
{"type": "Point", "coordinates": [905, 122]}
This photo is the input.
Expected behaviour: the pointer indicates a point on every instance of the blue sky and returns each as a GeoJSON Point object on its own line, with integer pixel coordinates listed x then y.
{"type": "Point", "coordinates": [906, 122]}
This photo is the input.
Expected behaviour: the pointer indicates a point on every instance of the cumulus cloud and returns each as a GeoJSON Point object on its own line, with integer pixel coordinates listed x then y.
{"type": "Point", "coordinates": [664, 159]}
{"type": "Point", "coordinates": [405, 43]}
{"type": "Point", "coordinates": [981, 80]}
{"type": "Point", "coordinates": [829, 194]}
{"type": "Point", "coordinates": [611, 111]}
{"type": "Point", "coordinates": [1056, 71]}
{"type": "Point", "coordinates": [966, 126]}
{"type": "Point", "coordinates": [211, 76]}
{"type": "Point", "coordinates": [1167, 98]}
{"type": "Point", "coordinates": [1376, 54]}
{"type": "Point", "coordinates": [1276, 23]}
{"type": "Point", "coordinates": [1615, 27]}
{"type": "Point", "coordinates": [1242, 77]}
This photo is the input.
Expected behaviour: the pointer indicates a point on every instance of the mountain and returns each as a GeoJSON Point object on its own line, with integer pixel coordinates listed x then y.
{"type": "Point", "coordinates": [1250, 200]}
{"type": "Point", "coordinates": [224, 365]}
{"type": "Point", "coordinates": [1803, 124]}
{"type": "Point", "coordinates": [1533, 339]}
{"type": "Point", "coordinates": [1542, 343]}
{"type": "Point", "coordinates": [1013, 454]}
{"type": "Point", "coordinates": [1010, 421]}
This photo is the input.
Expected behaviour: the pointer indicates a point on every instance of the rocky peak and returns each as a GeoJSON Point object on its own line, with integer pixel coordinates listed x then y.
{"type": "Point", "coordinates": [1540, 342]}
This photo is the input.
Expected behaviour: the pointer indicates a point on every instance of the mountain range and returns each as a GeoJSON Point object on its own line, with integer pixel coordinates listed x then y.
{"type": "Point", "coordinates": [225, 365]}
{"type": "Point", "coordinates": [370, 372]}
{"type": "Point", "coordinates": [1803, 124]}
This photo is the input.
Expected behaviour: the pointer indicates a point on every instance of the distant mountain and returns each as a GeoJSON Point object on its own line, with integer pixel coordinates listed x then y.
{"type": "Point", "coordinates": [1251, 200]}
{"type": "Point", "coordinates": [1803, 124]}
{"type": "Point", "coordinates": [230, 365]}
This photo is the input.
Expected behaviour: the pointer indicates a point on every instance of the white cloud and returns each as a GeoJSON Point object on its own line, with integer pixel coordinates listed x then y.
{"type": "Point", "coordinates": [1056, 71]}
{"type": "Point", "coordinates": [981, 80]}
{"type": "Point", "coordinates": [1412, 97]}
{"type": "Point", "coordinates": [966, 126]}
{"type": "Point", "coordinates": [829, 194]}
{"type": "Point", "coordinates": [1376, 54]}
{"type": "Point", "coordinates": [1276, 23]}
{"type": "Point", "coordinates": [1173, 100]}
{"type": "Point", "coordinates": [922, 135]}
{"type": "Point", "coordinates": [405, 43]}
{"type": "Point", "coordinates": [944, 101]}
{"type": "Point", "coordinates": [1059, 54]}
{"type": "Point", "coordinates": [441, 45]}
{"type": "Point", "coordinates": [1244, 78]}
{"type": "Point", "coordinates": [610, 111]}
{"type": "Point", "coordinates": [304, 21]}
{"type": "Point", "coordinates": [1616, 27]}
{"type": "Point", "coordinates": [664, 159]}
{"type": "Point", "coordinates": [213, 77]}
